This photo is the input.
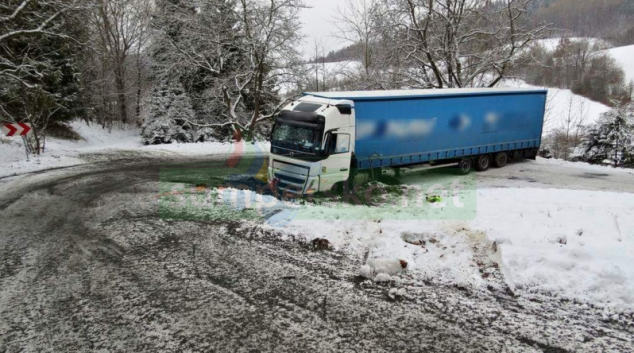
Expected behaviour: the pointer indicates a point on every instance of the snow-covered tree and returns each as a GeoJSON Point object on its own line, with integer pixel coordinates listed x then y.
{"type": "Point", "coordinates": [31, 20]}
{"type": "Point", "coordinates": [40, 59]}
{"type": "Point", "coordinates": [168, 114]}
{"type": "Point", "coordinates": [119, 33]}
{"type": "Point", "coordinates": [451, 43]}
{"type": "Point", "coordinates": [611, 139]}
{"type": "Point", "coordinates": [197, 43]}
{"type": "Point", "coordinates": [230, 55]}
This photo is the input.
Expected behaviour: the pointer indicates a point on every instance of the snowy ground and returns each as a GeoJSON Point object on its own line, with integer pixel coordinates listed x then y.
{"type": "Point", "coordinates": [90, 264]}
{"type": "Point", "coordinates": [96, 141]}
{"type": "Point", "coordinates": [562, 104]}
{"type": "Point", "coordinates": [625, 57]}
{"type": "Point", "coordinates": [533, 237]}
{"type": "Point", "coordinates": [552, 43]}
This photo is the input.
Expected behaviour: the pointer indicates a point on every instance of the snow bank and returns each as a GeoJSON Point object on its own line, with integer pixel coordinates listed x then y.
{"type": "Point", "coordinates": [573, 244]}
{"type": "Point", "coordinates": [577, 244]}
{"type": "Point", "coordinates": [63, 153]}
{"type": "Point", "coordinates": [583, 166]}
{"type": "Point", "coordinates": [430, 251]}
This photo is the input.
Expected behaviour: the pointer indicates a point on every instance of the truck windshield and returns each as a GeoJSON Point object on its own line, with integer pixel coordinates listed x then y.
{"type": "Point", "coordinates": [297, 138]}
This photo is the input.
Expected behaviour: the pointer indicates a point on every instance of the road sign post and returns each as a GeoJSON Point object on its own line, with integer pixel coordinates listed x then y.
{"type": "Point", "coordinates": [17, 129]}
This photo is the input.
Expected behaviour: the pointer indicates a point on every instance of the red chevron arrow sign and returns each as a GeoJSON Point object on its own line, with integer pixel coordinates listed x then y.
{"type": "Point", "coordinates": [19, 129]}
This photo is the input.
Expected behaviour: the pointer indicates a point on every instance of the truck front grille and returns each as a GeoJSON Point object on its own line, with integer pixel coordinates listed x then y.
{"type": "Point", "coordinates": [292, 177]}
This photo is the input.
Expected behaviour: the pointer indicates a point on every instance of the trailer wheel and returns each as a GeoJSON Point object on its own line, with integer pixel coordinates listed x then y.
{"type": "Point", "coordinates": [483, 163]}
{"type": "Point", "coordinates": [465, 166]}
{"type": "Point", "coordinates": [500, 160]}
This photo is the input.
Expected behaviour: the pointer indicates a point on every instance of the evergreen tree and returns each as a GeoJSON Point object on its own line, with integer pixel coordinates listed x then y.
{"type": "Point", "coordinates": [203, 31]}
{"type": "Point", "coordinates": [169, 114]}
{"type": "Point", "coordinates": [611, 139]}
{"type": "Point", "coordinates": [41, 70]}
{"type": "Point", "coordinates": [50, 64]}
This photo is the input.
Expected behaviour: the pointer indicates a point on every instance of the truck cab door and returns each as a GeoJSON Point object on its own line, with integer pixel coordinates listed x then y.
{"type": "Point", "coordinates": [336, 167]}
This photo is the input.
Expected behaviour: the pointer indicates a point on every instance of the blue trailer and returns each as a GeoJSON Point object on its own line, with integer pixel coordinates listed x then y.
{"type": "Point", "coordinates": [333, 137]}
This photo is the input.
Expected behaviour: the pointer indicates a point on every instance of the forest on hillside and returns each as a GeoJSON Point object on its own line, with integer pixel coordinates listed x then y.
{"type": "Point", "coordinates": [611, 20]}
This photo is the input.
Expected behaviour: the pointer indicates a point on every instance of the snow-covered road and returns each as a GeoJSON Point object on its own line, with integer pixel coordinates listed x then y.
{"type": "Point", "coordinates": [89, 263]}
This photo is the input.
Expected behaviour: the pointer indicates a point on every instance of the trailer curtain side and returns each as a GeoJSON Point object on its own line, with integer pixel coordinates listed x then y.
{"type": "Point", "coordinates": [393, 131]}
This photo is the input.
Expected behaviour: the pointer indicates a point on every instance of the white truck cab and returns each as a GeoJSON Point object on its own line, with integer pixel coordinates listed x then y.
{"type": "Point", "coordinates": [312, 145]}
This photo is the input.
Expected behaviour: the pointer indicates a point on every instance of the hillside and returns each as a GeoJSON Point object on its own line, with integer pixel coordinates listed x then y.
{"type": "Point", "coordinates": [625, 57]}
{"type": "Point", "coordinates": [551, 44]}
{"type": "Point", "coordinates": [563, 102]}
{"type": "Point", "coordinates": [611, 20]}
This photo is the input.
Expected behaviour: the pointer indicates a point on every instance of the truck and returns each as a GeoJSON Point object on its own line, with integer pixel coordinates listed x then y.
{"type": "Point", "coordinates": [326, 140]}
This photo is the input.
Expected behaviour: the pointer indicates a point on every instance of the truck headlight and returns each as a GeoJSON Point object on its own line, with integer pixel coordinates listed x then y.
{"type": "Point", "coordinates": [309, 188]}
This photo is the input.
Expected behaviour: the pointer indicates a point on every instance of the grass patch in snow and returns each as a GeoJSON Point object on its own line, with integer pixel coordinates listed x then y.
{"type": "Point", "coordinates": [454, 196]}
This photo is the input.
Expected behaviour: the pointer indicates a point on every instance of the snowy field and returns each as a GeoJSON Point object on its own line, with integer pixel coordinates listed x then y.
{"type": "Point", "coordinates": [625, 57]}
{"type": "Point", "coordinates": [552, 43]}
{"type": "Point", "coordinates": [561, 104]}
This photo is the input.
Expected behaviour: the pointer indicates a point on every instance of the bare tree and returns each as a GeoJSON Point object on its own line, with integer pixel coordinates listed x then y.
{"type": "Point", "coordinates": [456, 43]}
{"type": "Point", "coordinates": [583, 112]}
{"type": "Point", "coordinates": [120, 27]}
{"type": "Point", "coordinates": [357, 24]}
{"type": "Point", "coordinates": [568, 123]}
{"type": "Point", "coordinates": [319, 62]}
{"type": "Point", "coordinates": [271, 30]}
{"type": "Point", "coordinates": [143, 14]}
{"type": "Point", "coordinates": [568, 134]}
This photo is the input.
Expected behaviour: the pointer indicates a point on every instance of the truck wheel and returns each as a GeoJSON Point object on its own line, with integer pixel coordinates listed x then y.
{"type": "Point", "coordinates": [337, 188]}
{"type": "Point", "coordinates": [501, 159]}
{"type": "Point", "coordinates": [483, 163]}
{"type": "Point", "coordinates": [465, 166]}
{"type": "Point", "coordinates": [358, 178]}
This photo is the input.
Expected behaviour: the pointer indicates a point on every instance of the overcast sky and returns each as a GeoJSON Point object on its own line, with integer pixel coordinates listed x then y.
{"type": "Point", "coordinates": [318, 23]}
